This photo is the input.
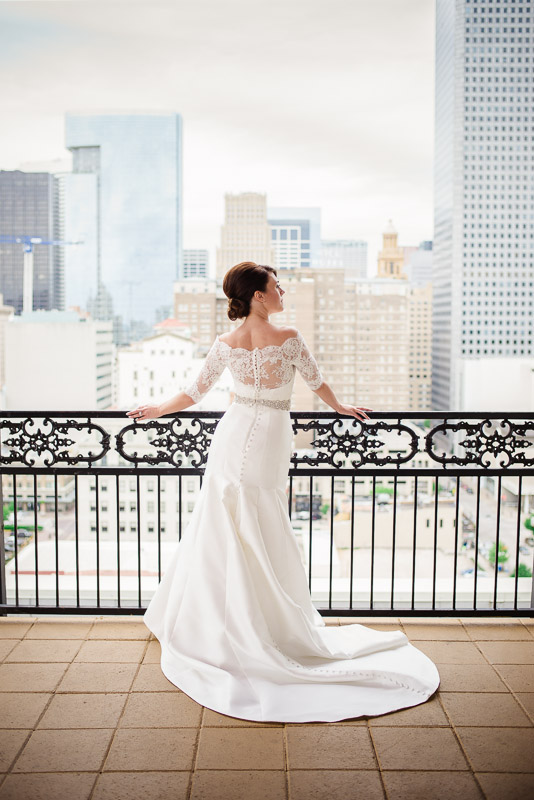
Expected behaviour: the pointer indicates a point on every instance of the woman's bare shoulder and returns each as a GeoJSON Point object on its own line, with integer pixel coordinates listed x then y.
{"type": "Point", "coordinates": [289, 331]}
{"type": "Point", "coordinates": [277, 335]}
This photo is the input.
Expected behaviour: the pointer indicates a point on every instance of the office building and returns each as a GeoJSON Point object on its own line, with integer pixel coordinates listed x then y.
{"type": "Point", "coordinates": [195, 304]}
{"type": "Point", "coordinates": [347, 254]}
{"type": "Point", "coordinates": [295, 236]}
{"type": "Point", "coordinates": [245, 234]}
{"type": "Point", "coordinates": [29, 203]}
{"type": "Point", "coordinates": [124, 199]}
{"type": "Point", "coordinates": [483, 188]}
{"type": "Point", "coordinates": [196, 264]}
{"type": "Point", "coordinates": [420, 355]}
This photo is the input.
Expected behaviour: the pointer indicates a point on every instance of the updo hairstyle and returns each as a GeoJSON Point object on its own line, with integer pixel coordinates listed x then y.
{"type": "Point", "coordinates": [240, 283]}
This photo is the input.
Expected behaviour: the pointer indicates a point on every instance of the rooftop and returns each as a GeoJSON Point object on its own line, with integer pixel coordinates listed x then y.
{"type": "Point", "coordinates": [88, 714]}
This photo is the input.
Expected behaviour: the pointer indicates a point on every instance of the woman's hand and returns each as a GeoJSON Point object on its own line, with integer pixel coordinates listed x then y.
{"type": "Point", "coordinates": [144, 412]}
{"type": "Point", "coordinates": [353, 411]}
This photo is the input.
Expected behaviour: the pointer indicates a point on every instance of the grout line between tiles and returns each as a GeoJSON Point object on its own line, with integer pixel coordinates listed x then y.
{"type": "Point", "coordinates": [462, 748]}
{"type": "Point", "coordinates": [112, 739]}
{"type": "Point", "coordinates": [196, 746]}
{"type": "Point", "coordinates": [377, 759]}
{"type": "Point", "coordinates": [285, 743]}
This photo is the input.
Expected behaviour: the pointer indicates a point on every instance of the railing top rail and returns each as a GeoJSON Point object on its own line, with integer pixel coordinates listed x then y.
{"type": "Point", "coordinates": [400, 440]}
{"type": "Point", "coordinates": [118, 414]}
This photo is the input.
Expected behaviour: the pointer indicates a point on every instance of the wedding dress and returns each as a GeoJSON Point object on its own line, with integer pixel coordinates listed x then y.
{"type": "Point", "coordinates": [233, 613]}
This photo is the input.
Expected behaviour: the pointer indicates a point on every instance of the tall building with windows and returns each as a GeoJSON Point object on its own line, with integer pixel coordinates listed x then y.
{"type": "Point", "coordinates": [296, 236]}
{"type": "Point", "coordinates": [29, 203]}
{"type": "Point", "coordinates": [245, 235]}
{"type": "Point", "coordinates": [347, 254]}
{"type": "Point", "coordinates": [420, 332]}
{"type": "Point", "coordinates": [483, 274]}
{"type": "Point", "coordinates": [124, 200]}
{"type": "Point", "coordinates": [195, 305]}
{"type": "Point", "coordinates": [196, 264]}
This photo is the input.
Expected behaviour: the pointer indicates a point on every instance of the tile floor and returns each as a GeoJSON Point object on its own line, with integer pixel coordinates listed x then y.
{"type": "Point", "coordinates": [86, 714]}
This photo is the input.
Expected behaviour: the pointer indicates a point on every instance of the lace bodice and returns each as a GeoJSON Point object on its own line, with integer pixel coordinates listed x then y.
{"type": "Point", "coordinates": [264, 371]}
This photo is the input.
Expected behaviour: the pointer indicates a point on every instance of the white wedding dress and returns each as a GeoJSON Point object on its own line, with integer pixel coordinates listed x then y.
{"type": "Point", "coordinates": [238, 630]}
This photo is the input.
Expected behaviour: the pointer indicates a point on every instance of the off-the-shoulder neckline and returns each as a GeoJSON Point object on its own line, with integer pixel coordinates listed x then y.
{"type": "Point", "coordinates": [265, 347]}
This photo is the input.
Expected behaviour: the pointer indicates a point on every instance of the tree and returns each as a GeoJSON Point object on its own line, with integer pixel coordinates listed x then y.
{"type": "Point", "coordinates": [503, 554]}
{"type": "Point", "coordinates": [522, 572]}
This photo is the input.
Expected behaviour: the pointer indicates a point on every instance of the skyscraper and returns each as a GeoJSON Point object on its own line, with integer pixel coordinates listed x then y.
{"type": "Point", "coordinates": [245, 235]}
{"type": "Point", "coordinates": [29, 207]}
{"type": "Point", "coordinates": [296, 236]}
{"type": "Point", "coordinates": [124, 199]}
{"type": "Point", "coordinates": [483, 263]}
{"type": "Point", "coordinates": [347, 254]}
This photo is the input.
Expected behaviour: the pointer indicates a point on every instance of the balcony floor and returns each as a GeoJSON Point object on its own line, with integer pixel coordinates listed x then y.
{"type": "Point", "coordinates": [87, 713]}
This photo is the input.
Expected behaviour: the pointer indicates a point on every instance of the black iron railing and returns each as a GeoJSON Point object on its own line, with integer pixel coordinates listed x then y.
{"type": "Point", "coordinates": [408, 513]}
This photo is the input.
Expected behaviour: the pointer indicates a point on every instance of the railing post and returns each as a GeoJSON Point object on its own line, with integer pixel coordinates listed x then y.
{"type": "Point", "coordinates": [3, 594]}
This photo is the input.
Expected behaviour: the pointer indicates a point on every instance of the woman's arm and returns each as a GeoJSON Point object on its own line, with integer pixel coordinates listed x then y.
{"type": "Point", "coordinates": [212, 368]}
{"type": "Point", "coordinates": [327, 396]}
{"type": "Point", "coordinates": [178, 403]}
{"type": "Point", "coordinates": [309, 369]}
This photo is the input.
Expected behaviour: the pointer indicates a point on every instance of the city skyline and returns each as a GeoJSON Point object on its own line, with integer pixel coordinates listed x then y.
{"type": "Point", "coordinates": [338, 114]}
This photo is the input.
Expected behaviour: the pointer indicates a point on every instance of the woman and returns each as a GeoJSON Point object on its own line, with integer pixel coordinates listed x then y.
{"type": "Point", "coordinates": [238, 630]}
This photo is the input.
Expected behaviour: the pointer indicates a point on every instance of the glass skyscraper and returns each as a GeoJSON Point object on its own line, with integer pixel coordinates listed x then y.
{"type": "Point", "coordinates": [29, 207]}
{"type": "Point", "coordinates": [483, 261]}
{"type": "Point", "coordinates": [124, 199]}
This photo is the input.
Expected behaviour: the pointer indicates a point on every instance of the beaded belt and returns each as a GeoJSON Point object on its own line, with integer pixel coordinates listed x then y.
{"type": "Point", "coordinates": [284, 405]}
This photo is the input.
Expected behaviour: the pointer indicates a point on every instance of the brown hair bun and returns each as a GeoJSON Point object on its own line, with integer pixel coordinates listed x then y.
{"type": "Point", "coordinates": [240, 283]}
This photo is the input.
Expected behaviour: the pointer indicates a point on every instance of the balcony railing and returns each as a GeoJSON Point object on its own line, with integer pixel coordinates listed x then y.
{"type": "Point", "coordinates": [411, 513]}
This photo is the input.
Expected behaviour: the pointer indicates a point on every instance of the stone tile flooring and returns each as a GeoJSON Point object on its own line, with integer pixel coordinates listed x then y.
{"type": "Point", "coordinates": [85, 712]}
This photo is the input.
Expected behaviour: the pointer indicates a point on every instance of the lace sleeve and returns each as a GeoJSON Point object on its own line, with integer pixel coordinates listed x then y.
{"type": "Point", "coordinates": [307, 365]}
{"type": "Point", "coordinates": [211, 370]}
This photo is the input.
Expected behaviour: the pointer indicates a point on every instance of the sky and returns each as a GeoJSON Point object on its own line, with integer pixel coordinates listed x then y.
{"type": "Point", "coordinates": [323, 103]}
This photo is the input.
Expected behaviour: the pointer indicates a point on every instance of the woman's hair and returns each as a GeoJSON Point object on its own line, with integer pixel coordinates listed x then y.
{"type": "Point", "coordinates": [240, 283]}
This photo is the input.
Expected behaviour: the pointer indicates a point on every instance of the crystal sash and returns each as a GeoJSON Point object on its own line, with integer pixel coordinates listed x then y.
{"type": "Point", "coordinates": [283, 405]}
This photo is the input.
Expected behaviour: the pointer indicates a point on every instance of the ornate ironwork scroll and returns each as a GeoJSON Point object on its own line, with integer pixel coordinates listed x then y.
{"type": "Point", "coordinates": [49, 441]}
{"type": "Point", "coordinates": [174, 443]}
{"type": "Point", "coordinates": [339, 441]}
{"type": "Point", "coordinates": [490, 443]}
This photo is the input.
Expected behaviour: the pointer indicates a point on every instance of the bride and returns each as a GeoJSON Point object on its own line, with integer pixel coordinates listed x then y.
{"type": "Point", "coordinates": [233, 613]}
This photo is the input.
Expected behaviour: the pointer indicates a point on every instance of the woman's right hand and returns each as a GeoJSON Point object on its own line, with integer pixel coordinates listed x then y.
{"type": "Point", "coordinates": [354, 411]}
{"type": "Point", "coordinates": [144, 412]}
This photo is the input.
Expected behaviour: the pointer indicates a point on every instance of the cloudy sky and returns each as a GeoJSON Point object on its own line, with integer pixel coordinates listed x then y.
{"type": "Point", "coordinates": [315, 102]}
